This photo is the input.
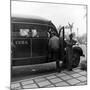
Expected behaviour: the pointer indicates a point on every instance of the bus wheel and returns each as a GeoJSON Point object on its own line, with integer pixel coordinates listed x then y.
{"type": "Point", "coordinates": [76, 60]}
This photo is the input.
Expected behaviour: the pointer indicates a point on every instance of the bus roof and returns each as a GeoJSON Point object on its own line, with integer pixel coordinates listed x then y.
{"type": "Point", "coordinates": [33, 20]}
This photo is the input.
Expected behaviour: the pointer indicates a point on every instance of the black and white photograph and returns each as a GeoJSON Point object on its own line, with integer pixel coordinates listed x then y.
{"type": "Point", "coordinates": [48, 44]}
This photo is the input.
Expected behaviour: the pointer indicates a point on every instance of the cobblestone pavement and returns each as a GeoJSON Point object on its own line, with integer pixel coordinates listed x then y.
{"type": "Point", "coordinates": [65, 78]}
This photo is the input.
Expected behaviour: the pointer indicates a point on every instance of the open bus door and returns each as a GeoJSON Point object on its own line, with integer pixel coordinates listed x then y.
{"type": "Point", "coordinates": [62, 43]}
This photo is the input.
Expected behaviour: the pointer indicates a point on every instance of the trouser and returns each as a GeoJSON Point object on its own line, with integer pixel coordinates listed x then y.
{"type": "Point", "coordinates": [57, 65]}
{"type": "Point", "coordinates": [69, 54]}
{"type": "Point", "coordinates": [55, 55]}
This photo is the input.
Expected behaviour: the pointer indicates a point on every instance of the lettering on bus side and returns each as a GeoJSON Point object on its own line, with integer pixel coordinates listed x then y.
{"type": "Point", "coordinates": [23, 42]}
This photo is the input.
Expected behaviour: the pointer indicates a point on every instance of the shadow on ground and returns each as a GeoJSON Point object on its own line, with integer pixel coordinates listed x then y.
{"type": "Point", "coordinates": [30, 71]}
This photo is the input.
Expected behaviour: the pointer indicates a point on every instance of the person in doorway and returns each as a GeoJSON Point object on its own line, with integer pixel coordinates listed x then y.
{"type": "Point", "coordinates": [69, 51]}
{"type": "Point", "coordinates": [54, 49]}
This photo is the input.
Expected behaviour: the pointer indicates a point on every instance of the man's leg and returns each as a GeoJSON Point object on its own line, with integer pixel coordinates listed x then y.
{"type": "Point", "coordinates": [58, 68]}
{"type": "Point", "coordinates": [70, 62]}
{"type": "Point", "coordinates": [50, 53]}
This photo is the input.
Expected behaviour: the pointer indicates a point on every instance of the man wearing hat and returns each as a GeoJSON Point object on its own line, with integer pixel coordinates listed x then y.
{"type": "Point", "coordinates": [69, 51]}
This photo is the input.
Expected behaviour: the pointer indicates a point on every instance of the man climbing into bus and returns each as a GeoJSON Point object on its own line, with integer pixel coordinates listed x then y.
{"type": "Point", "coordinates": [54, 49]}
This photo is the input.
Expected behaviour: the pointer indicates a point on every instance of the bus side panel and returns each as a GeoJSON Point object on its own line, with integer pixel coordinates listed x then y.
{"type": "Point", "coordinates": [22, 48]}
{"type": "Point", "coordinates": [39, 47]}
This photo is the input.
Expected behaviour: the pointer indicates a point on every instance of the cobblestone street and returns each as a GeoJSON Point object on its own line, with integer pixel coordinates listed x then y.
{"type": "Point", "coordinates": [65, 78]}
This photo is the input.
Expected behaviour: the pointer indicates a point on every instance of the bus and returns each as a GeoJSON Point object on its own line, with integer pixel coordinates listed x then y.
{"type": "Point", "coordinates": [29, 40]}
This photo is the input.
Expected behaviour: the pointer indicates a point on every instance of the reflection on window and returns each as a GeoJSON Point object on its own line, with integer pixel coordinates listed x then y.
{"type": "Point", "coordinates": [48, 34]}
{"type": "Point", "coordinates": [24, 32]}
{"type": "Point", "coordinates": [34, 33]}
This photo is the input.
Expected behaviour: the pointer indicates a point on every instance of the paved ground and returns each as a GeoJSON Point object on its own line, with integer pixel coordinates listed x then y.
{"type": "Point", "coordinates": [44, 75]}
{"type": "Point", "coordinates": [65, 78]}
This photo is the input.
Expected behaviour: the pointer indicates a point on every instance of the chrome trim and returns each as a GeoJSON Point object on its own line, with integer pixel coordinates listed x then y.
{"type": "Point", "coordinates": [27, 58]}
{"type": "Point", "coordinates": [33, 23]}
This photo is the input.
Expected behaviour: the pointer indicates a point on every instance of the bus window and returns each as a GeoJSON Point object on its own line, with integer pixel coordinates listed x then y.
{"type": "Point", "coordinates": [21, 30]}
{"type": "Point", "coordinates": [24, 32]}
{"type": "Point", "coordinates": [29, 30]}
{"type": "Point", "coordinates": [43, 34]}
{"type": "Point", "coordinates": [34, 33]}
{"type": "Point", "coordinates": [50, 31]}
{"type": "Point", "coordinates": [39, 33]}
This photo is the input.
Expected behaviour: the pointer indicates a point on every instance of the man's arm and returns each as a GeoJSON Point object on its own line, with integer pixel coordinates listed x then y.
{"type": "Point", "coordinates": [68, 43]}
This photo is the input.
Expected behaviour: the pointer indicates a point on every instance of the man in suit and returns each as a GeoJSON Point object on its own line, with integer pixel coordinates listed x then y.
{"type": "Point", "coordinates": [69, 51]}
